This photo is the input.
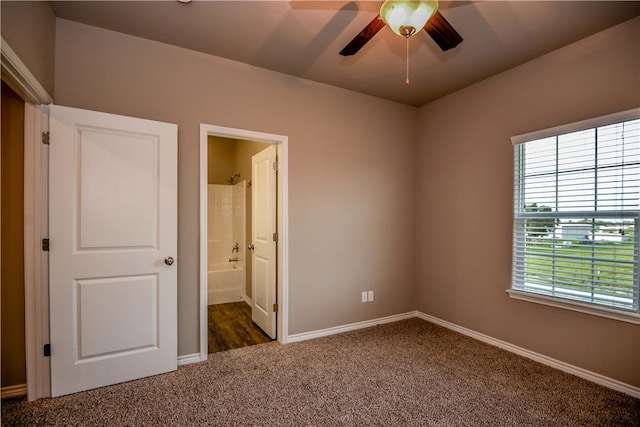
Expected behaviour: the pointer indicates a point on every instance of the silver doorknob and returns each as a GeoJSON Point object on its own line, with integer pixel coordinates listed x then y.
{"type": "Point", "coordinates": [168, 260]}
{"type": "Point", "coordinates": [251, 247]}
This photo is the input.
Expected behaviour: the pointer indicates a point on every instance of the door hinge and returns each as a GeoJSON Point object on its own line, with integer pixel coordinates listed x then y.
{"type": "Point", "coordinates": [47, 350]}
{"type": "Point", "coordinates": [275, 308]}
{"type": "Point", "coordinates": [275, 166]}
{"type": "Point", "coordinates": [45, 137]}
{"type": "Point", "coordinates": [275, 237]}
{"type": "Point", "coordinates": [45, 244]}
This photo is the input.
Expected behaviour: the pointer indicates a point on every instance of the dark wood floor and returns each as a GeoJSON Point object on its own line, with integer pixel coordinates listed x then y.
{"type": "Point", "coordinates": [230, 326]}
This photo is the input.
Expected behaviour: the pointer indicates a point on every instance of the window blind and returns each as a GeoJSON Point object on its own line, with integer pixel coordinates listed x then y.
{"type": "Point", "coordinates": [576, 215]}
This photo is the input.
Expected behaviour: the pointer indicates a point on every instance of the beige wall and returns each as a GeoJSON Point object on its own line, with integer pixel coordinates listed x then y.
{"type": "Point", "coordinates": [221, 159]}
{"type": "Point", "coordinates": [351, 167]}
{"type": "Point", "coordinates": [12, 241]}
{"type": "Point", "coordinates": [29, 28]}
{"type": "Point", "coordinates": [465, 187]}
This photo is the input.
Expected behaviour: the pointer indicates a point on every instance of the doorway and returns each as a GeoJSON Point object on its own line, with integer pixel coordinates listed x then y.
{"type": "Point", "coordinates": [226, 237]}
{"type": "Point", "coordinates": [229, 244]}
{"type": "Point", "coordinates": [12, 271]}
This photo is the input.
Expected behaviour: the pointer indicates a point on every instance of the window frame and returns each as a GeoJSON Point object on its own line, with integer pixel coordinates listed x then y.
{"type": "Point", "coordinates": [630, 316]}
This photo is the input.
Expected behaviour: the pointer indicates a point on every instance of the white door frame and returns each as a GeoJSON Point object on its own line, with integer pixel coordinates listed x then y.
{"type": "Point", "coordinates": [36, 261]}
{"type": "Point", "coordinates": [18, 76]}
{"type": "Point", "coordinates": [283, 223]}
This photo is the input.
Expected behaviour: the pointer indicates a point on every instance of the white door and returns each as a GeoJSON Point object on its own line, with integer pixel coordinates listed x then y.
{"type": "Point", "coordinates": [113, 228]}
{"type": "Point", "coordinates": [263, 220]}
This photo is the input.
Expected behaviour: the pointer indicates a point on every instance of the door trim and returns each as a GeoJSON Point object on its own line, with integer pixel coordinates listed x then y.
{"type": "Point", "coordinates": [36, 261]}
{"type": "Point", "coordinates": [282, 274]}
{"type": "Point", "coordinates": [18, 76]}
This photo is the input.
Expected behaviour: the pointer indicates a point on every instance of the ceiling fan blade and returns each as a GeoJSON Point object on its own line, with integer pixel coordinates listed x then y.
{"type": "Point", "coordinates": [363, 37]}
{"type": "Point", "coordinates": [442, 32]}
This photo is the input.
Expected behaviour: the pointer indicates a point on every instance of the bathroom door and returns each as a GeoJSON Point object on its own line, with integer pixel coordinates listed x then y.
{"type": "Point", "coordinates": [263, 219]}
{"type": "Point", "coordinates": [113, 237]}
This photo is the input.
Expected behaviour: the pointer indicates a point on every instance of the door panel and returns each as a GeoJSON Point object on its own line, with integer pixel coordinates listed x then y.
{"type": "Point", "coordinates": [263, 192]}
{"type": "Point", "coordinates": [113, 210]}
{"type": "Point", "coordinates": [117, 210]}
{"type": "Point", "coordinates": [114, 301]}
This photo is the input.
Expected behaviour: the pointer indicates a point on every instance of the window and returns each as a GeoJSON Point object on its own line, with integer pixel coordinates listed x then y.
{"type": "Point", "coordinates": [576, 216]}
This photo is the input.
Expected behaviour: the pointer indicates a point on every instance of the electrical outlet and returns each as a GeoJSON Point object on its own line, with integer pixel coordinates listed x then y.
{"type": "Point", "coordinates": [370, 296]}
{"type": "Point", "coordinates": [364, 296]}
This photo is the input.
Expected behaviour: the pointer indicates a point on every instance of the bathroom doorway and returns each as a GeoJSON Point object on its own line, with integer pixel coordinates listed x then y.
{"type": "Point", "coordinates": [228, 169]}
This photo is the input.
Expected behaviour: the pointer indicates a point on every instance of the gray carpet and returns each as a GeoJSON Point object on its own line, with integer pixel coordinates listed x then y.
{"type": "Point", "coordinates": [405, 373]}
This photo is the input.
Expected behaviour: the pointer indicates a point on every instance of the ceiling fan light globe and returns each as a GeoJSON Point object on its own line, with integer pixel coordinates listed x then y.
{"type": "Point", "coordinates": [396, 16]}
{"type": "Point", "coordinates": [400, 15]}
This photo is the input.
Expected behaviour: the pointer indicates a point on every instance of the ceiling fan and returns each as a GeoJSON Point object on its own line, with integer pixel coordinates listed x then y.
{"type": "Point", "coordinates": [407, 18]}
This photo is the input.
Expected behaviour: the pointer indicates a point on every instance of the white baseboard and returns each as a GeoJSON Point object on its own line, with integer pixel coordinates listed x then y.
{"type": "Point", "coordinates": [188, 359]}
{"type": "Point", "coordinates": [247, 300]}
{"type": "Point", "coordinates": [350, 327]}
{"type": "Point", "coordinates": [13, 391]}
{"type": "Point", "coordinates": [545, 360]}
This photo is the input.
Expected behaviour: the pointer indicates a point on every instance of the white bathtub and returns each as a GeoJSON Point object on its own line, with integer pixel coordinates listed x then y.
{"type": "Point", "coordinates": [225, 283]}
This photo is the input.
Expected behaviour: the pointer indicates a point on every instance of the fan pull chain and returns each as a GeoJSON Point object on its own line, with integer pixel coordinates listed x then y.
{"type": "Point", "coordinates": [407, 80]}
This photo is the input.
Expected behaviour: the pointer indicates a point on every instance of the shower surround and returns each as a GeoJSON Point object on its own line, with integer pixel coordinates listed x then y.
{"type": "Point", "coordinates": [226, 243]}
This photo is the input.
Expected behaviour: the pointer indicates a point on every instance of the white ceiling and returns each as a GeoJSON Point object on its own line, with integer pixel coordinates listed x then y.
{"type": "Point", "coordinates": [303, 38]}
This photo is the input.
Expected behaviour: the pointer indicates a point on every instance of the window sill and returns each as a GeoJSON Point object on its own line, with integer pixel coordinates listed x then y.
{"type": "Point", "coordinates": [575, 306]}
